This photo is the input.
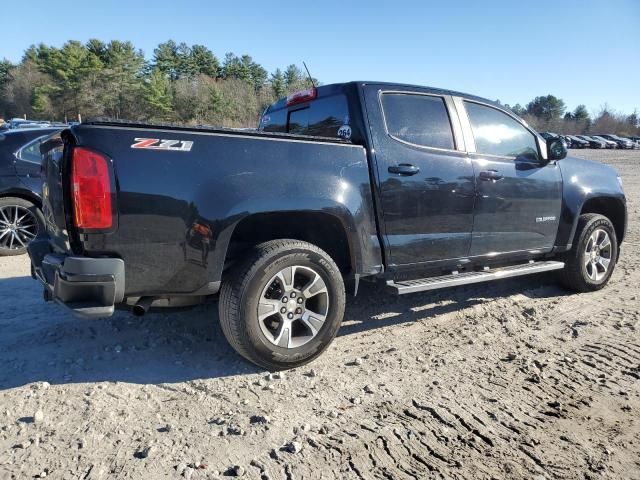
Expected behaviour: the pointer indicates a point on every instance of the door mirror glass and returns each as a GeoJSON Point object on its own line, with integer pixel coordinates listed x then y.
{"type": "Point", "coordinates": [556, 149]}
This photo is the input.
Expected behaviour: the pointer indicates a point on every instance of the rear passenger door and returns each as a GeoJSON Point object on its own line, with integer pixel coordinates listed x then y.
{"type": "Point", "coordinates": [425, 179]}
{"type": "Point", "coordinates": [519, 193]}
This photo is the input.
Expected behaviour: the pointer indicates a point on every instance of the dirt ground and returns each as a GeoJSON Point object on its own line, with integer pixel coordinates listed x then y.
{"type": "Point", "coordinates": [517, 379]}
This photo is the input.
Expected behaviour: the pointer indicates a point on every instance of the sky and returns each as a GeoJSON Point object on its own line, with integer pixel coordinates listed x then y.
{"type": "Point", "coordinates": [585, 52]}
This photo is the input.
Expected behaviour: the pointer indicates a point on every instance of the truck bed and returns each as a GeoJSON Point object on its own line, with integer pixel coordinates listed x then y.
{"type": "Point", "coordinates": [177, 210]}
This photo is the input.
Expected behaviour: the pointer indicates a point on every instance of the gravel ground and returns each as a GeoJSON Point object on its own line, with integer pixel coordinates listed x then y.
{"type": "Point", "coordinates": [517, 379]}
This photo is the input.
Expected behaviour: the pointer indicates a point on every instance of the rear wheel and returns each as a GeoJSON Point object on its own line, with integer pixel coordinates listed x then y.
{"type": "Point", "coordinates": [20, 222]}
{"type": "Point", "coordinates": [593, 256]}
{"type": "Point", "coordinates": [284, 305]}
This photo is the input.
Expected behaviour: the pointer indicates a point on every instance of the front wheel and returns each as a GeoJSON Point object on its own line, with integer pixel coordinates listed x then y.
{"type": "Point", "coordinates": [20, 222]}
{"type": "Point", "coordinates": [283, 306]}
{"type": "Point", "coordinates": [590, 262]}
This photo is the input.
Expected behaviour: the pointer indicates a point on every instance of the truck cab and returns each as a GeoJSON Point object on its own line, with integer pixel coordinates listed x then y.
{"type": "Point", "coordinates": [461, 180]}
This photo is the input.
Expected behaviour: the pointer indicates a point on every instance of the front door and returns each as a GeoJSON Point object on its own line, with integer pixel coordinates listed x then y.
{"type": "Point", "coordinates": [426, 182]}
{"type": "Point", "coordinates": [518, 193]}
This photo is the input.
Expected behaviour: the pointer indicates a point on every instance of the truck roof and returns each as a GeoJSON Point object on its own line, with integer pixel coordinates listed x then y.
{"type": "Point", "coordinates": [336, 88]}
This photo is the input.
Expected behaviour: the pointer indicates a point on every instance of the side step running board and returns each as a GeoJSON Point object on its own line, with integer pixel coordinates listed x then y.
{"type": "Point", "coordinates": [466, 278]}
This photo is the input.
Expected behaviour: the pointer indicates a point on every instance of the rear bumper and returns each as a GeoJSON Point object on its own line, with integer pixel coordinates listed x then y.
{"type": "Point", "coordinates": [89, 287]}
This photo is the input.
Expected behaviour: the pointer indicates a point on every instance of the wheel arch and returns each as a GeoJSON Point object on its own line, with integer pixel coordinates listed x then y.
{"type": "Point", "coordinates": [612, 208]}
{"type": "Point", "coordinates": [323, 229]}
{"type": "Point", "coordinates": [27, 195]}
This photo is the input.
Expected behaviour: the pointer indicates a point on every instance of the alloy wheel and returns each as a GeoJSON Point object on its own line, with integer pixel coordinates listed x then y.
{"type": "Point", "coordinates": [597, 255]}
{"type": "Point", "coordinates": [293, 306]}
{"type": "Point", "coordinates": [18, 226]}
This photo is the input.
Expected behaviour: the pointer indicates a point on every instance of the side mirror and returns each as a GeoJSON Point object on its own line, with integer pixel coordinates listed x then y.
{"type": "Point", "coordinates": [556, 149]}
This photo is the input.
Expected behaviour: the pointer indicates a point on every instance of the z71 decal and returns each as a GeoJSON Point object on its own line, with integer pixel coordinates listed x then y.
{"type": "Point", "coordinates": [162, 144]}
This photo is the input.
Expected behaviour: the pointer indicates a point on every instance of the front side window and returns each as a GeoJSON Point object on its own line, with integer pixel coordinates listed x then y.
{"type": "Point", "coordinates": [418, 119]}
{"type": "Point", "coordinates": [496, 133]}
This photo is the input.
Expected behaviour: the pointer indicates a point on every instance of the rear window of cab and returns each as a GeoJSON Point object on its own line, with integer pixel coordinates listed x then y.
{"type": "Point", "coordinates": [323, 117]}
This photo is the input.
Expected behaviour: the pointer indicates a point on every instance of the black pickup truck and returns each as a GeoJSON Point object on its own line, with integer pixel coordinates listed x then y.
{"type": "Point", "coordinates": [417, 187]}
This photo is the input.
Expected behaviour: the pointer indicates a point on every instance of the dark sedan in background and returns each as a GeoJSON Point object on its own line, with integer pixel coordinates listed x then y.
{"type": "Point", "coordinates": [593, 142]}
{"type": "Point", "coordinates": [621, 142]}
{"type": "Point", "coordinates": [608, 143]}
{"type": "Point", "coordinates": [575, 142]}
{"type": "Point", "coordinates": [20, 187]}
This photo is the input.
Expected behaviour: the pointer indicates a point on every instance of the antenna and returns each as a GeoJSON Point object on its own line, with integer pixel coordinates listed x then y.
{"type": "Point", "coordinates": [310, 77]}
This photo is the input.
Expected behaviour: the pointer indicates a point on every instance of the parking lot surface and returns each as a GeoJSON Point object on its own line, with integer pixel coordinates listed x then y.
{"type": "Point", "coordinates": [515, 379]}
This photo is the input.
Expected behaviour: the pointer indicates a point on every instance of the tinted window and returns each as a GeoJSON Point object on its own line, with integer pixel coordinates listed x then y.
{"type": "Point", "coordinates": [274, 121]}
{"type": "Point", "coordinates": [327, 115]}
{"type": "Point", "coordinates": [418, 119]}
{"type": "Point", "coordinates": [322, 118]}
{"type": "Point", "coordinates": [31, 151]}
{"type": "Point", "coordinates": [299, 121]}
{"type": "Point", "coordinates": [496, 133]}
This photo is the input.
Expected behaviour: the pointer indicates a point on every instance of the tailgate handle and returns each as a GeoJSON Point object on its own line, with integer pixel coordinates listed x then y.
{"type": "Point", "coordinates": [404, 169]}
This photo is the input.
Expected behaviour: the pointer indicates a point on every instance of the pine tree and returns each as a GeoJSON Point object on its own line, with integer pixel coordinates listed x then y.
{"type": "Point", "coordinates": [97, 48]}
{"type": "Point", "coordinates": [5, 68]}
{"type": "Point", "coordinates": [278, 84]}
{"type": "Point", "coordinates": [185, 66]}
{"type": "Point", "coordinates": [122, 80]}
{"type": "Point", "coordinates": [158, 96]}
{"type": "Point", "coordinates": [580, 113]}
{"type": "Point", "coordinates": [292, 77]}
{"type": "Point", "coordinates": [165, 58]}
{"type": "Point", "coordinates": [547, 107]}
{"type": "Point", "coordinates": [204, 61]}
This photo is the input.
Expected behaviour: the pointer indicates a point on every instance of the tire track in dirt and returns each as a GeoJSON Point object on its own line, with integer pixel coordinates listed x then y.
{"type": "Point", "coordinates": [516, 379]}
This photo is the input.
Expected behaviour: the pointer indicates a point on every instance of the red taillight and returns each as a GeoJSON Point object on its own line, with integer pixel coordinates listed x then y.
{"type": "Point", "coordinates": [302, 96]}
{"type": "Point", "coordinates": [91, 190]}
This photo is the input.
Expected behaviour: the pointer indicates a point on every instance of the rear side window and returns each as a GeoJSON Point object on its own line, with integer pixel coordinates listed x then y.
{"type": "Point", "coordinates": [418, 119]}
{"type": "Point", "coordinates": [496, 133]}
{"type": "Point", "coordinates": [31, 151]}
{"type": "Point", "coordinates": [320, 118]}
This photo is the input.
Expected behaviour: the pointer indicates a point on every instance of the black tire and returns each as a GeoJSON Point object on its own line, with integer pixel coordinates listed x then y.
{"type": "Point", "coordinates": [7, 204]}
{"type": "Point", "coordinates": [575, 275]}
{"type": "Point", "coordinates": [242, 291]}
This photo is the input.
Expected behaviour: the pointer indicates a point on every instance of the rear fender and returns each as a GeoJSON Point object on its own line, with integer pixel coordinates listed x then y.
{"type": "Point", "coordinates": [359, 230]}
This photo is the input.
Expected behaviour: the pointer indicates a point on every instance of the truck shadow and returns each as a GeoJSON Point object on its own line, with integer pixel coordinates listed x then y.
{"type": "Point", "coordinates": [374, 308]}
{"type": "Point", "coordinates": [42, 342]}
